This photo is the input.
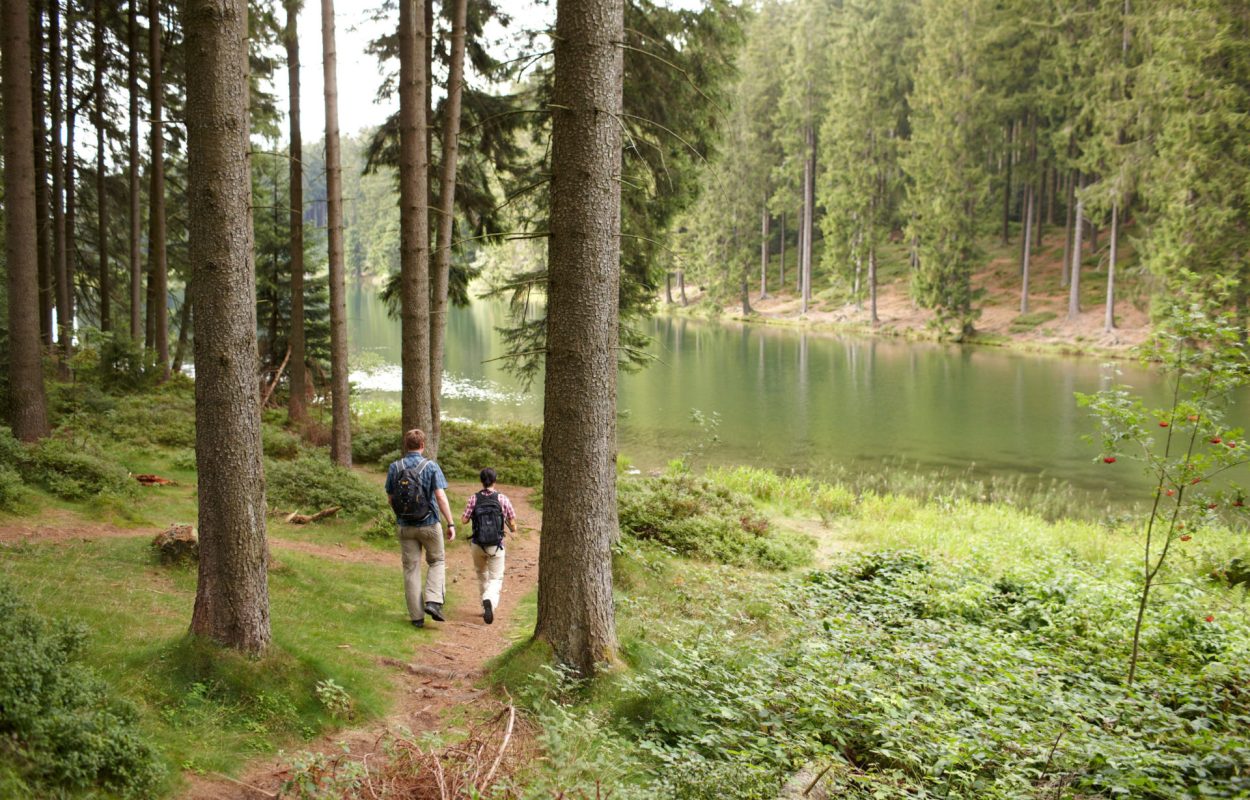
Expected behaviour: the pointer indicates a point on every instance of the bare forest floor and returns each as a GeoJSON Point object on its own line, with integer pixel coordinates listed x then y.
{"type": "Point", "coordinates": [1047, 325]}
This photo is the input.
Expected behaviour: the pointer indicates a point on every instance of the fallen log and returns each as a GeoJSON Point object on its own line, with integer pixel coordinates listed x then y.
{"type": "Point", "coordinates": [305, 519]}
{"type": "Point", "coordinates": [154, 480]}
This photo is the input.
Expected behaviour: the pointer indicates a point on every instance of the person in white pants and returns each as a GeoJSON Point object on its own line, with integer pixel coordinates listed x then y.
{"type": "Point", "coordinates": [490, 513]}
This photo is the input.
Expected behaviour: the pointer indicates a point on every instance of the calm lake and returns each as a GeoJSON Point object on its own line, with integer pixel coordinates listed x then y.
{"type": "Point", "coordinates": [790, 400]}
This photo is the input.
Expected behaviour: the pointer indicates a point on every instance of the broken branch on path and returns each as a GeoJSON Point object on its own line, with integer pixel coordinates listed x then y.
{"type": "Point", "coordinates": [154, 480]}
{"type": "Point", "coordinates": [305, 519]}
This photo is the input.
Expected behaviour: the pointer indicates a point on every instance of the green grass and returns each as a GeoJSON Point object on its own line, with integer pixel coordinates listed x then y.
{"type": "Point", "coordinates": [935, 635]}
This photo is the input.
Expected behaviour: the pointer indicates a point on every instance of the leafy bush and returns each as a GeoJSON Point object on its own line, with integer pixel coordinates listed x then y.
{"type": "Point", "coordinates": [513, 449]}
{"type": "Point", "coordinates": [701, 518]}
{"type": "Point", "coordinates": [279, 443]}
{"type": "Point", "coordinates": [60, 727]}
{"type": "Point", "coordinates": [313, 482]}
{"type": "Point", "coordinates": [12, 490]}
{"type": "Point", "coordinates": [828, 500]}
{"type": "Point", "coordinates": [918, 679]}
{"type": "Point", "coordinates": [73, 473]}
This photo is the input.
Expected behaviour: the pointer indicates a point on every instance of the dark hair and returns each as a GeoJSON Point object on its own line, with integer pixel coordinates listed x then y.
{"type": "Point", "coordinates": [488, 478]}
{"type": "Point", "coordinates": [414, 440]}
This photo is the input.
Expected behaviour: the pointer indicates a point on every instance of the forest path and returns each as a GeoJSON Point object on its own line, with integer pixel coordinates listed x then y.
{"type": "Point", "coordinates": [434, 691]}
{"type": "Point", "coordinates": [438, 688]}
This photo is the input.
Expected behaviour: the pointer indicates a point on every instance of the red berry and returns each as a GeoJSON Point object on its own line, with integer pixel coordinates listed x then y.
{"type": "Point", "coordinates": [1212, 505]}
{"type": "Point", "coordinates": [1186, 537]}
{"type": "Point", "coordinates": [1171, 492]}
{"type": "Point", "coordinates": [1210, 618]}
{"type": "Point", "coordinates": [1195, 480]}
{"type": "Point", "coordinates": [1109, 460]}
{"type": "Point", "coordinates": [1193, 417]}
{"type": "Point", "coordinates": [1163, 423]}
{"type": "Point", "coordinates": [1238, 504]}
{"type": "Point", "coordinates": [1215, 440]}
{"type": "Point", "coordinates": [1231, 444]}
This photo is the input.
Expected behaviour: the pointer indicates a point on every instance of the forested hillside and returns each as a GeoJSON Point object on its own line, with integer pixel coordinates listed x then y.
{"type": "Point", "coordinates": [935, 139]}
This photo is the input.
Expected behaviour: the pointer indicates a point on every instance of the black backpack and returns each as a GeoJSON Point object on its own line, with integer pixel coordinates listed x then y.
{"type": "Point", "coordinates": [409, 501]}
{"type": "Point", "coordinates": [487, 520]}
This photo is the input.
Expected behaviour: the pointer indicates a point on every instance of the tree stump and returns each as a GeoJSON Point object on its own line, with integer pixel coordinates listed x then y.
{"type": "Point", "coordinates": [177, 545]}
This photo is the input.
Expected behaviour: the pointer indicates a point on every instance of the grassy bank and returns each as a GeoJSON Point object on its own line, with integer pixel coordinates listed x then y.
{"type": "Point", "coordinates": [937, 649]}
{"type": "Point", "coordinates": [75, 558]}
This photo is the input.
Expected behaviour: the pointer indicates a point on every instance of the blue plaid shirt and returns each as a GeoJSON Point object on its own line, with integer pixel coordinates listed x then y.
{"type": "Point", "coordinates": [431, 480]}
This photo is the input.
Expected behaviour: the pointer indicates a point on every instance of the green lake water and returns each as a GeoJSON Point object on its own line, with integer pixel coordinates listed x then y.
{"type": "Point", "coordinates": [792, 400]}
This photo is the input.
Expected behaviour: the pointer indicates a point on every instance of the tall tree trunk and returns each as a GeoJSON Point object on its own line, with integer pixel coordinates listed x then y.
{"type": "Point", "coordinates": [185, 315]}
{"type": "Point", "coordinates": [1065, 275]}
{"type": "Point", "coordinates": [781, 281]}
{"type": "Point", "coordinates": [681, 285]}
{"type": "Point", "coordinates": [1026, 251]}
{"type": "Point", "coordinates": [101, 193]}
{"type": "Point", "coordinates": [59, 245]}
{"type": "Point", "coordinates": [446, 218]}
{"type": "Point", "coordinates": [764, 240]}
{"type": "Point", "coordinates": [668, 286]}
{"type": "Point", "coordinates": [872, 283]}
{"type": "Point", "coordinates": [340, 428]}
{"type": "Point", "coordinates": [43, 215]}
{"type": "Point", "coordinates": [71, 177]}
{"type": "Point", "coordinates": [575, 614]}
{"type": "Point", "coordinates": [29, 412]}
{"type": "Point", "coordinates": [1109, 319]}
{"type": "Point", "coordinates": [1074, 282]}
{"type": "Point", "coordinates": [136, 221]}
{"type": "Point", "coordinates": [158, 270]}
{"type": "Point", "coordinates": [414, 218]}
{"type": "Point", "coordinates": [1010, 161]}
{"type": "Point", "coordinates": [296, 402]}
{"type": "Point", "coordinates": [232, 594]}
{"type": "Point", "coordinates": [809, 212]}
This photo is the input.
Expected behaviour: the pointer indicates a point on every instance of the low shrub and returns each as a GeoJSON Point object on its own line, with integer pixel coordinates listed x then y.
{"type": "Point", "coordinates": [793, 492]}
{"type": "Point", "coordinates": [61, 728]}
{"type": "Point", "coordinates": [12, 455]}
{"type": "Point", "coordinates": [376, 442]}
{"type": "Point", "coordinates": [513, 449]}
{"type": "Point", "coordinates": [701, 518]}
{"type": "Point", "coordinates": [312, 482]}
{"type": "Point", "coordinates": [72, 472]}
{"type": "Point", "coordinates": [279, 443]}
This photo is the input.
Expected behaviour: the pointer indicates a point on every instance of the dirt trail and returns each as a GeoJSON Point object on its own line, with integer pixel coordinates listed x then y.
{"type": "Point", "coordinates": [437, 681]}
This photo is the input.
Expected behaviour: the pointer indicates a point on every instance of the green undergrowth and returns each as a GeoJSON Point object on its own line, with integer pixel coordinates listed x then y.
{"type": "Point", "coordinates": [512, 449]}
{"type": "Point", "coordinates": [958, 649]}
{"type": "Point", "coordinates": [201, 708]}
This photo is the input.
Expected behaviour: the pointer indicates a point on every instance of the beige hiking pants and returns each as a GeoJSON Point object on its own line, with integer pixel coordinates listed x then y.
{"type": "Point", "coordinates": [489, 565]}
{"type": "Point", "coordinates": [412, 542]}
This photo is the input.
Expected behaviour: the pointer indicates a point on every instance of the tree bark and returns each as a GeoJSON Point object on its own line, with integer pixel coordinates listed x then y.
{"type": "Point", "coordinates": [59, 246]}
{"type": "Point", "coordinates": [872, 283]}
{"type": "Point", "coordinates": [681, 285]}
{"type": "Point", "coordinates": [232, 595]}
{"type": "Point", "coordinates": [185, 315]}
{"type": "Point", "coordinates": [136, 221]}
{"type": "Point", "coordinates": [668, 287]}
{"type": "Point", "coordinates": [1010, 161]}
{"type": "Point", "coordinates": [1065, 275]}
{"type": "Point", "coordinates": [764, 237]}
{"type": "Point", "coordinates": [340, 428]}
{"type": "Point", "coordinates": [575, 613]}
{"type": "Point", "coordinates": [1074, 278]}
{"type": "Point", "coordinates": [296, 404]}
{"type": "Point", "coordinates": [414, 230]}
{"type": "Point", "coordinates": [43, 215]}
{"type": "Point", "coordinates": [809, 210]}
{"type": "Point", "coordinates": [1026, 251]}
{"type": "Point", "coordinates": [446, 218]}
{"type": "Point", "coordinates": [101, 193]}
{"type": "Point", "coordinates": [782, 278]}
{"type": "Point", "coordinates": [71, 179]}
{"type": "Point", "coordinates": [1109, 319]}
{"type": "Point", "coordinates": [158, 269]}
{"type": "Point", "coordinates": [29, 412]}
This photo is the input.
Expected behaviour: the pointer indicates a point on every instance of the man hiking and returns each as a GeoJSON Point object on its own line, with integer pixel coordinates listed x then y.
{"type": "Point", "coordinates": [415, 487]}
{"type": "Point", "coordinates": [490, 512]}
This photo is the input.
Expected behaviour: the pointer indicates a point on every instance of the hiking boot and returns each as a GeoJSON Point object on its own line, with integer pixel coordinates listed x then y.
{"type": "Point", "coordinates": [418, 623]}
{"type": "Point", "coordinates": [435, 610]}
{"type": "Point", "coordinates": [488, 613]}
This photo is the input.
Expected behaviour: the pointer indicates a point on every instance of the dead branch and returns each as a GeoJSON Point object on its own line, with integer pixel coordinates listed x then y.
{"type": "Point", "coordinates": [264, 401]}
{"type": "Point", "coordinates": [305, 519]}
{"type": "Point", "coordinates": [507, 735]}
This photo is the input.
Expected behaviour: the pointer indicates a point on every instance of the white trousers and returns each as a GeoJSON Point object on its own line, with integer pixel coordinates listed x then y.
{"type": "Point", "coordinates": [489, 565]}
